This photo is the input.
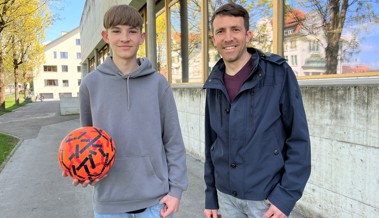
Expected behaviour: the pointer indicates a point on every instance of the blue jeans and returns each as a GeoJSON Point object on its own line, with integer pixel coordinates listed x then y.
{"type": "Point", "coordinates": [238, 208]}
{"type": "Point", "coordinates": [150, 212]}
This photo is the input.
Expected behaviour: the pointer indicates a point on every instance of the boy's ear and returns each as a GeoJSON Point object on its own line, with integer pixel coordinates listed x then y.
{"type": "Point", "coordinates": [104, 35]}
{"type": "Point", "coordinates": [143, 37]}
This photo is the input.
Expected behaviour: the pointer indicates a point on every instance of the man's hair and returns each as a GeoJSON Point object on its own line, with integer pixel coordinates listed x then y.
{"type": "Point", "coordinates": [232, 9]}
{"type": "Point", "coordinates": [122, 15]}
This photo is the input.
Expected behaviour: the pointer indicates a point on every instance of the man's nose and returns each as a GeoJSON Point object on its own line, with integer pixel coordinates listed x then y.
{"type": "Point", "coordinates": [228, 36]}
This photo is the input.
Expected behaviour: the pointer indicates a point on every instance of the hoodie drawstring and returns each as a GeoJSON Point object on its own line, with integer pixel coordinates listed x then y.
{"type": "Point", "coordinates": [127, 94]}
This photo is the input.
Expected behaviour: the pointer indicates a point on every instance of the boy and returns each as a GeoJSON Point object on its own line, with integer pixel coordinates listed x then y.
{"type": "Point", "coordinates": [127, 98]}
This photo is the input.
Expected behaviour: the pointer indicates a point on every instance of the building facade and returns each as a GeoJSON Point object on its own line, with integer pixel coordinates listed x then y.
{"type": "Point", "coordinates": [60, 74]}
{"type": "Point", "coordinates": [342, 112]}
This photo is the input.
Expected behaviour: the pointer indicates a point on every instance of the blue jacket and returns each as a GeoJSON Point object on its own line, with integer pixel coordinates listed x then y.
{"type": "Point", "coordinates": [257, 147]}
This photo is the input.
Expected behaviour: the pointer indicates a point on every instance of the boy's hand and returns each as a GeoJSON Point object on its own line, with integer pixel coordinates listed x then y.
{"type": "Point", "coordinates": [76, 182]}
{"type": "Point", "coordinates": [170, 205]}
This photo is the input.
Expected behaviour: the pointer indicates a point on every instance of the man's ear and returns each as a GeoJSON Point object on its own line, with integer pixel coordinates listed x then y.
{"type": "Point", "coordinates": [104, 35]}
{"type": "Point", "coordinates": [213, 40]}
{"type": "Point", "coordinates": [249, 35]}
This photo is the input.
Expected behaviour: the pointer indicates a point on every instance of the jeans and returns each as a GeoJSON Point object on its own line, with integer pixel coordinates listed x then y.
{"type": "Point", "coordinates": [231, 207]}
{"type": "Point", "coordinates": [150, 212]}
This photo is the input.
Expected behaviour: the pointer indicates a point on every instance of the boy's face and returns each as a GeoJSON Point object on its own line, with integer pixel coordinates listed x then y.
{"type": "Point", "coordinates": [230, 37]}
{"type": "Point", "coordinates": [124, 41]}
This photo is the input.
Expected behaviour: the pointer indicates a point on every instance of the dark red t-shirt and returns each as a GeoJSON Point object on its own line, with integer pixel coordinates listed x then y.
{"type": "Point", "coordinates": [234, 83]}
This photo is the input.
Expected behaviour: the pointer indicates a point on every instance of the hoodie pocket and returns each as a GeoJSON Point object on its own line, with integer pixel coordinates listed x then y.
{"type": "Point", "coordinates": [131, 179]}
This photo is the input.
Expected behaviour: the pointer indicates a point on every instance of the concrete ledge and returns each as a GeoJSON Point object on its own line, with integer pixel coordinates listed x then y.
{"type": "Point", "coordinates": [69, 105]}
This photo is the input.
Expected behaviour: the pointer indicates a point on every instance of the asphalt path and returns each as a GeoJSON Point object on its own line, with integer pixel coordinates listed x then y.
{"type": "Point", "coordinates": [31, 185]}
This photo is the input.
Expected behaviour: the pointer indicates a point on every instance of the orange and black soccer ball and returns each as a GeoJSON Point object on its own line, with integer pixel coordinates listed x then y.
{"type": "Point", "coordinates": [87, 153]}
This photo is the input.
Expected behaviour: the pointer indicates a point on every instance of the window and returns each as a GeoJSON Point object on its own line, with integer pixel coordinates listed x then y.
{"type": "Point", "coordinates": [78, 55]}
{"type": "Point", "coordinates": [64, 68]}
{"type": "Point", "coordinates": [293, 44]}
{"type": "Point", "coordinates": [50, 68]}
{"type": "Point", "coordinates": [55, 55]}
{"type": "Point", "coordinates": [65, 83]}
{"type": "Point", "coordinates": [51, 82]}
{"type": "Point", "coordinates": [64, 55]}
{"type": "Point", "coordinates": [322, 51]}
{"type": "Point", "coordinates": [293, 60]}
{"type": "Point", "coordinates": [79, 69]}
{"type": "Point", "coordinates": [313, 46]}
{"type": "Point", "coordinates": [79, 81]}
{"type": "Point", "coordinates": [77, 41]}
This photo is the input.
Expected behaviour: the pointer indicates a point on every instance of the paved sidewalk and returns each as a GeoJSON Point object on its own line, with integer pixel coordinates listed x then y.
{"type": "Point", "coordinates": [31, 185]}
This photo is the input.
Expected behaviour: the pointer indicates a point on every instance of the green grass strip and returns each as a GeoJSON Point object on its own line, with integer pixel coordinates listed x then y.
{"type": "Point", "coordinates": [7, 143]}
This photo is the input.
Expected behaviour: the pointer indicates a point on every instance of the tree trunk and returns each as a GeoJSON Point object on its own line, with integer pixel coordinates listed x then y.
{"type": "Point", "coordinates": [331, 58]}
{"type": "Point", "coordinates": [26, 90]}
{"type": "Point", "coordinates": [2, 80]}
{"type": "Point", "coordinates": [16, 89]}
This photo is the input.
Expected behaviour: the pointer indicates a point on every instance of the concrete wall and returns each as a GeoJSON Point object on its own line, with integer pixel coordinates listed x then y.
{"type": "Point", "coordinates": [69, 105]}
{"type": "Point", "coordinates": [344, 128]}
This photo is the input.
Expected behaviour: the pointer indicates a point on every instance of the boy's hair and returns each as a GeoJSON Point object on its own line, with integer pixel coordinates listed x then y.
{"type": "Point", "coordinates": [232, 9]}
{"type": "Point", "coordinates": [122, 15]}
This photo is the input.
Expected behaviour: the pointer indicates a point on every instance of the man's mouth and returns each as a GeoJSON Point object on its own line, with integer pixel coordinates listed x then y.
{"type": "Point", "coordinates": [230, 47]}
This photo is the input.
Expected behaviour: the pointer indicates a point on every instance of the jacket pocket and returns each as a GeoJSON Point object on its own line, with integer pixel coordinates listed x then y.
{"type": "Point", "coordinates": [131, 179]}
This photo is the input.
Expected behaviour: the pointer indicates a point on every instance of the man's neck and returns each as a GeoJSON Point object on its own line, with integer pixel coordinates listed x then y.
{"type": "Point", "coordinates": [232, 68]}
{"type": "Point", "coordinates": [126, 66]}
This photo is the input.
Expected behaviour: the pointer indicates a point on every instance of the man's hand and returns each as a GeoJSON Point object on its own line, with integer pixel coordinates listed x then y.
{"type": "Point", "coordinates": [273, 212]}
{"type": "Point", "coordinates": [170, 205]}
{"type": "Point", "coordinates": [211, 213]}
{"type": "Point", "coordinates": [76, 182]}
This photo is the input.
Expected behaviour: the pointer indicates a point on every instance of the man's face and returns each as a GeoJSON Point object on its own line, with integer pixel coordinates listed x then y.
{"type": "Point", "coordinates": [230, 37]}
{"type": "Point", "coordinates": [124, 41]}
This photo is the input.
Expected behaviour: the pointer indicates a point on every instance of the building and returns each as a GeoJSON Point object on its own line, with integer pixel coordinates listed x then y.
{"type": "Point", "coordinates": [60, 74]}
{"type": "Point", "coordinates": [343, 115]}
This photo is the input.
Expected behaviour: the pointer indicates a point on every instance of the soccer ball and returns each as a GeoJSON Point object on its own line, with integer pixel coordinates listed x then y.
{"type": "Point", "coordinates": [86, 153]}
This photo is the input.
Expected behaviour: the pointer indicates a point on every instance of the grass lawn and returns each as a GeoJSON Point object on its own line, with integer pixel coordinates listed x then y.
{"type": "Point", "coordinates": [7, 144]}
{"type": "Point", "coordinates": [10, 104]}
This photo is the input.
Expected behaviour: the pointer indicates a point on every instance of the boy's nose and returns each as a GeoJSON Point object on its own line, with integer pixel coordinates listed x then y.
{"type": "Point", "coordinates": [125, 37]}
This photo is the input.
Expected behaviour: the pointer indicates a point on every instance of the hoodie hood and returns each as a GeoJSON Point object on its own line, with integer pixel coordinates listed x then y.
{"type": "Point", "coordinates": [109, 68]}
{"type": "Point", "coordinates": [144, 68]}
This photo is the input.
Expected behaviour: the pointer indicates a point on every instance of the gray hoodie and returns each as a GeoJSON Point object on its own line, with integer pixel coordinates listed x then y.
{"type": "Point", "coordinates": [139, 112]}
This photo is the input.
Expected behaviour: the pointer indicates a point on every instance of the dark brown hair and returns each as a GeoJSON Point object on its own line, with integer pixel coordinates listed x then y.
{"type": "Point", "coordinates": [122, 15]}
{"type": "Point", "coordinates": [232, 9]}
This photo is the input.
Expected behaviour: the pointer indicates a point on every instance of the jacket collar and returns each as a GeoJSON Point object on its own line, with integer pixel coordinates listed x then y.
{"type": "Point", "coordinates": [216, 78]}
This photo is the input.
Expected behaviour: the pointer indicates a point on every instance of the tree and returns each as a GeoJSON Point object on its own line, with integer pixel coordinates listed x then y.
{"type": "Point", "coordinates": [334, 16]}
{"type": "Point", "coordinates": [19, 19]}
{"type": "Point", "coordinates": [5, 20]}
{"type": "Point", "coordinates": [26, 51]}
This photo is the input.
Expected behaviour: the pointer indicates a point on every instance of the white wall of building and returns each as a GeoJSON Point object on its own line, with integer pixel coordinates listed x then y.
{"type": "Point", "coordinates": [67, 83]}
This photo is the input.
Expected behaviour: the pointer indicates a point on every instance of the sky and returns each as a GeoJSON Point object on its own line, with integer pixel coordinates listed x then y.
{"type": "Point", "coordinates": [68, 14]}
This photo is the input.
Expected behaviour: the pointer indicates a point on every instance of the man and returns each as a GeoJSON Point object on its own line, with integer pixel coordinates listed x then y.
{"type": "Point", "coordinates": [257, 145]}
{"type": "Point", "coordinates": [127, 98]}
